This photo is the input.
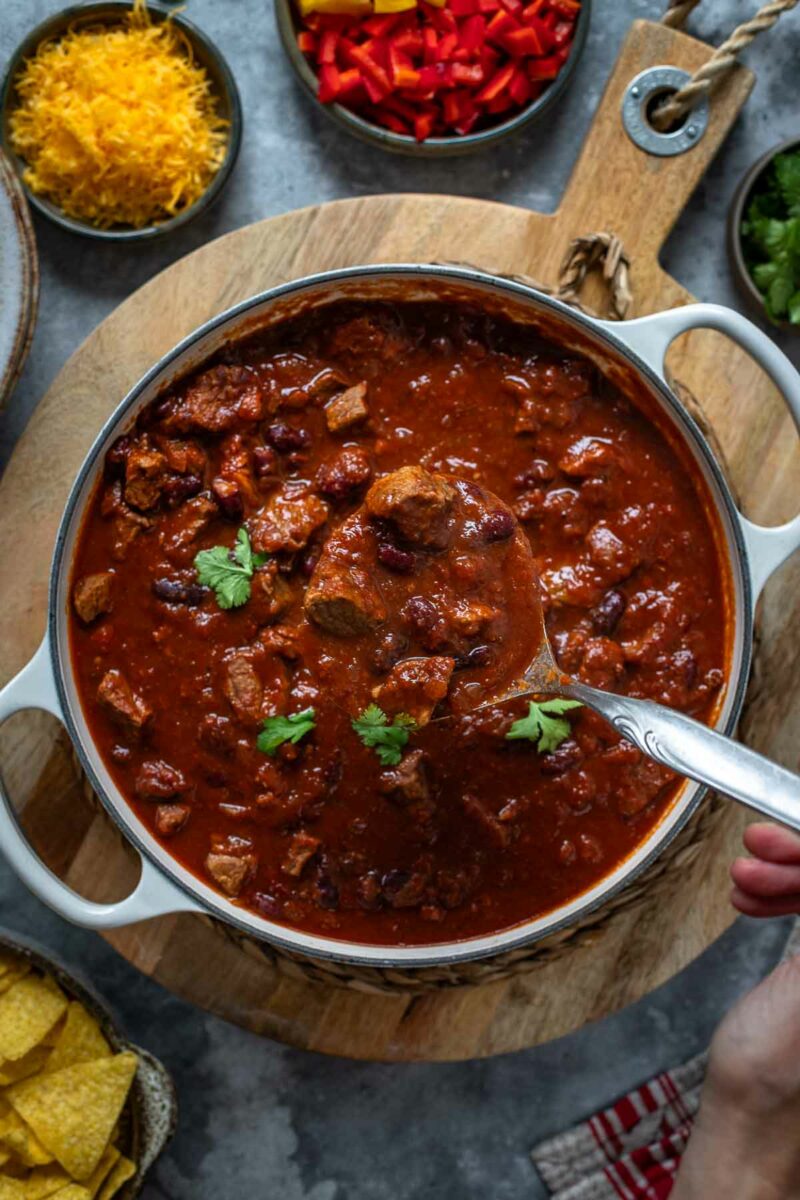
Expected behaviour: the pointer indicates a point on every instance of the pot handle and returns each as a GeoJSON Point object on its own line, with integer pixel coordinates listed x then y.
{"type": "Point", "coordinates": [154, 894]}
{"type": "Point", "coordinates": [650, 338]}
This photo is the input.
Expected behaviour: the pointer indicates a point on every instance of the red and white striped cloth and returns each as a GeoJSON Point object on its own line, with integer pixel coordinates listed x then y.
{"type": "Point", "coordinates": [632, 1150]}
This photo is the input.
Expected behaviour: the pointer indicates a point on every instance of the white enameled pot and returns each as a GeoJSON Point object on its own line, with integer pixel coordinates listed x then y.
{"type": "Point", "coordinates": [632, 354]}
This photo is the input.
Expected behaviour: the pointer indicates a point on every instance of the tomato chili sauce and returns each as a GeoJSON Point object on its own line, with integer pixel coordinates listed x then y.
{"type": "Point", "coordinates": [284, 434]}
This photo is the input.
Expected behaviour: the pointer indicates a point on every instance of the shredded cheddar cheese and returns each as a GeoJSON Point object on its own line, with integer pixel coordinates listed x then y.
{"type": "Point", "coordinates": [117, 125]}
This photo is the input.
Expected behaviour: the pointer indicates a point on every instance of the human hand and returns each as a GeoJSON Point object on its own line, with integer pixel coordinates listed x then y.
{"type": "Point", "coordinates": [746, 1137]}
{"type": "Point", "coordinates": [768, 884]}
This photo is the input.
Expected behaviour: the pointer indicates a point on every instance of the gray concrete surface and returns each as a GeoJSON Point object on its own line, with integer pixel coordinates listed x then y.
{"type": "Point", "coordinates": [259, 1120]}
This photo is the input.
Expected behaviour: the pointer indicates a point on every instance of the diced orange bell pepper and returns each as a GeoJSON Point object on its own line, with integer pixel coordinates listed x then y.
{"type": "Point", "coordinates": [306, 42]}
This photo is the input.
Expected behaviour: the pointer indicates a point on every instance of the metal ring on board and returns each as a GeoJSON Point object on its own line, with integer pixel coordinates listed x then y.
{"type": "Point", "coordinates": [639, 95]}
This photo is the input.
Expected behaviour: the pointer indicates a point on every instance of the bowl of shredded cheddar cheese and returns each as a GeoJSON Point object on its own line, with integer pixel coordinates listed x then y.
{"type": "Point", "coordinates": [122, 119]}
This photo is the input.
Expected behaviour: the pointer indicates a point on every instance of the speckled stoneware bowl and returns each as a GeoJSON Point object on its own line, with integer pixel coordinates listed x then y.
{"type": "Point", "coordinates": [19, 279]}
{"type": "Point", "coordinates": [206, 54]}
{"type": "Point", "coordinates": [150, 1115]}
{"type": "Point", "coordinates": [736, 212]}
{"type": "Point", "coordinates": [434, 147]}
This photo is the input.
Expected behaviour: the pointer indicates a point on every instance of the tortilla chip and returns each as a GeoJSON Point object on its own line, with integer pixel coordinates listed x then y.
{"type": "Point", "coordinates": [73, 1111]}
{"type": "Point", "coordinates": [17, 1137]}
{"type": "Point", "coordinates": [13, 976]}
{"type": "Point", "coordinates": [122, 1171]}
{"type": "Point", "coordinates": [100, 1174]}
{"type": "Point", "coordinates": [80, 1040]}
{"type": "Point", "coordinates": [11, 1189]}
{"type": "Point", "coordinates": [73, 1191]}
{"type": "Point", "coordinates": [9, 960]}
{"type": "Point", "coordinates": [28, 1011]}
{"type": "Point", "coordinates": [29, 1064]}
{"type": "Point", "coordinates": [44, 1181]}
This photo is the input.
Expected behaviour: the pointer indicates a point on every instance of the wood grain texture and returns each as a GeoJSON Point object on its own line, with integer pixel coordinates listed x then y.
{"type": "Point", "coordinates": [615, 186]}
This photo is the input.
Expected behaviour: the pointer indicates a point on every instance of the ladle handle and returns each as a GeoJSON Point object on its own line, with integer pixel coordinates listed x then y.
{"type": "Point", "coordinates": [684, 745]}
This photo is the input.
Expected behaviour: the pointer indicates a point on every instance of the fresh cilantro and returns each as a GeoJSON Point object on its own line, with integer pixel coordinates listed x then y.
{"type": "Point", "coordinates": [771, 237]}
{"type": "Point", "coordinates": [229, 572]}
{"type": "Point", "coordinates": [278, 730]}
{"type": "Point", "coordinates": [388, 741]}
{"type": "Point", "coordinates": [544, 724]}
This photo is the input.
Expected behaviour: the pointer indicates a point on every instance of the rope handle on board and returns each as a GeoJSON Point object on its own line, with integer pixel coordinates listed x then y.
{"type": "Point", "coordinates": [706, 77]}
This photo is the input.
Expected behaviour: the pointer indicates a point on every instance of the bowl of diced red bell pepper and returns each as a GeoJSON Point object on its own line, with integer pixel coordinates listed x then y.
{"type": "Point", "coordinates": [433, 77]}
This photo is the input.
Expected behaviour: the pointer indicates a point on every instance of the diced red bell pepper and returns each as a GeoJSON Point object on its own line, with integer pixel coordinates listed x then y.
{"type": "Point", "coordinates": [463, 8]}
{"type": "Point", "coordinates": [396, 124]}
{"type": "Point", "coordinates": [514, 7]}
{"type": "Point", "coordinates": [500, 104]}
{"type": "Point", "coordinates": [472, 33]}
{"type": "Point", "coordinates": [448, 44]}
{"type": "Point", "coordinates": [328, 43]}
{"type": "Point", "coordinates": [563, 33]}
{"type": "Point", "coordinates": [382, 24]}
{"type": "Point", "coordinates": [376, 79]}
{"type": "Point", "coordinates": [520, 88]}
{"type": "Point", "coordinates": [533, 9]}
{"type": "Point", "coordinates": [423, 125]}
{"type": "Point", "coordinates": [436, 76]}
{"type": "Point", "coordinates": [544, 68]}
{"type": "Point", "coordinates": [566, 8]}
{"type": "Point", "coordinates": [467, 74]}
{"type": "Point", "coordinates": [501, 24]}
{"type": "Point", "coordinates": [430, 42]}
{"type": "Point", "coordinates": [329, 83]}
{"type": "Point", "coordinates": [497, 84]}
{"type": "Point", "coordinates": [306, 42]}
{"type": "Point", "coordinates": [467, 121]}
{"type": "Point", "coordinates": [451, 107]}
{"type": "Point", "coordinates": [409, 41]}
{"type": "Point", "coordinates": [523, 43]}
{"type": "Point", "coordinates": [488, 6]}
{"type": "Point", "coordinates": [404, 74]}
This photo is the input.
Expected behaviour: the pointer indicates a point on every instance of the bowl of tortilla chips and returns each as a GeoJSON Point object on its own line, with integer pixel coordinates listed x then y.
{"type": "Point", "coordinates": [83, 1112]}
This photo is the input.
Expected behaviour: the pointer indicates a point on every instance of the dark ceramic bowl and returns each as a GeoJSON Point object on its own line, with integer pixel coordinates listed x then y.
{"type": "Point", "coordinates": [434, 147]}
{"type": "Point", "coordinates": [207, 55]}
{"type": "Point", "coordinates": [736, 212]}
{"type": "Point", "coordinates": [150, 1115]}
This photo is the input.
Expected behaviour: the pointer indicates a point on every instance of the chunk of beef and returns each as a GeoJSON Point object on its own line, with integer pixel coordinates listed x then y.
{"type": "Point", "coordinates": [243, 688]}
{"type": "Point", "coordinates": [170, 818]}
{"type": "Point", "coordinates": [145, 475]}
{"type": "Point", "coordinates": [228, 496]}
{"type": "Point", "coordinates": [157, 780]}
{"type": "Point", "coordinates": [588, 456]}
{"type": "Point", "coordinates": [406, 783]}
{"type": "Point", "coordinates": [287, 521]}
{"type": "Point", "coordinates": [416, 502]}
{"type": "Point", "coordinates": [498, 832]}
{"type": "Point", "coordinates": [341, 477]}
{"type": "Point", "coordinates": [185, 458]}
{"type": "Point", "coordinates": [302, 849]}
{"type": "Point", "coordinates": [131, 712]}
{"type": "Point", "coordinates": [404, 889]}
{"type": "Point", "coordinates": [127, 528]}
{"type": "Point", "coordinates": [415, 686]}
{"type": "Point", "coordinates": [230, 872]}
{"type": "Point", "coordinates": [92, 596]}
{"type": "Point", "coordinates": [616, 558]}
{"type": "Point", "coordinates": [281, 640]}
{"type": "Point", "coordinates": [346, 409]}
{"type": "Point", "coordinates": [217, 733]}
{"type": "Point", "coordinates": [270, 594]}
{"type": "Point", "coordinates": [342, 599]}
{"type": "Point", "coordinates": [217, 400]}
{"type": "Point", "coordinates": [182, 528]}
{"type": "Point", "coordinates": [471, 617]}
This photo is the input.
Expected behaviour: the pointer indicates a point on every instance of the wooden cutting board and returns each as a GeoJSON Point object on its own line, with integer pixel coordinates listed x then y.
{"type": "Point", "coordinates": [614, 187]}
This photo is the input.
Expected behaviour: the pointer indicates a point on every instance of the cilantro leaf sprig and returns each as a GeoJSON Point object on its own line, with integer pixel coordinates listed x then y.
{"type": "Point", "coordinates": [229, 571]}
{"type": "Point", "coordinates": [279, 729]}
{"type": "Point", "coordinates": [544, 724]}
{"type": "Point", "coordinates": [387, 740]}
{"type": "Point", "coordinates": [771, 237]}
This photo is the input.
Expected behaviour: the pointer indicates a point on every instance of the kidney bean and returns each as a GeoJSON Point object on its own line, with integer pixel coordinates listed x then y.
{"type": "Point", "coordinates": [389, 650]}
{"type": "Point", "coordinates": [368, 890]}
{"type": "Point", "coordinates": [175, 591]}
{"type": "Point", "coordinates": [478, 656]}
{"type": "Point", "coordinates": [497, 526]}
{"type": "Point", "coordinates": [539, 471]}
{"type": "Point", "coordinates": [327, 893]}
{"type": "Point", "coordinates": [391, 556]}
{"type": "Point", "coordinates": [178, 488]}
{"type": "Point", "coordinates": [229, 498]}
{"type": "Point", "coordinates": [117, 456]}
{"type": "Point", "coordinates": [285, 438]}
{"type": "Point", "coordinates": [265, 461]}
{"type": "Point", "coordinates": [568, 755]}
{"type": "Point", "coordinates": [608, 613]}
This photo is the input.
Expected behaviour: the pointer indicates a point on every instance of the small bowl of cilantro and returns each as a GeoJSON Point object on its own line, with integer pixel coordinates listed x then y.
{"type": "Point", "coordinates": [764, 235]}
